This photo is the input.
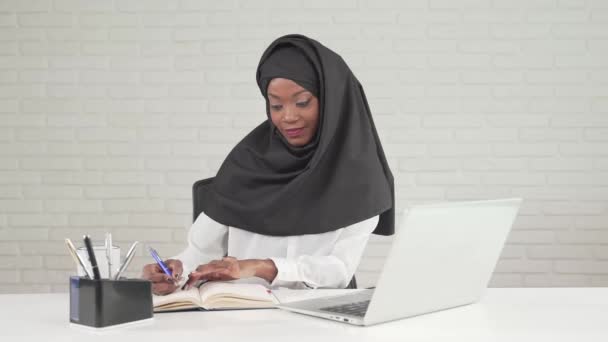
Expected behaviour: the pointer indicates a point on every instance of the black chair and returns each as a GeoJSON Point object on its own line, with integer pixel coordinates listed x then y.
{"type": "Point", "coordinates": [197, 193]}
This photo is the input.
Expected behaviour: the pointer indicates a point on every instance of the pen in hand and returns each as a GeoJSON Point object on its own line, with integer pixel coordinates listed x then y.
{"type": "Point", "coordinates": [161, 264]}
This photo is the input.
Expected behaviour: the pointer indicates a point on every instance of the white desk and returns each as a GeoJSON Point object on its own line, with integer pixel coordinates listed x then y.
{"type": "Point", "coordinates": [514, 315]}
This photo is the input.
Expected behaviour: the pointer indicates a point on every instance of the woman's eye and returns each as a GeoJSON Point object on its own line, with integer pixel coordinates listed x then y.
{"type": "Point", "coordinates": [299, 104]}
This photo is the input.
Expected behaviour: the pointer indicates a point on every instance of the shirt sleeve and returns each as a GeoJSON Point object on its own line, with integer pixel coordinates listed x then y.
{"type": "Point", "coordinates": [327, 271]}
{"type": "Point", "coordinates": [207, 240]}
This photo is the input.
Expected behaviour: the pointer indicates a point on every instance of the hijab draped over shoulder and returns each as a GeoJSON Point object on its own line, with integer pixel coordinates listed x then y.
{"type": "Point", "coordinates": [341, 177]}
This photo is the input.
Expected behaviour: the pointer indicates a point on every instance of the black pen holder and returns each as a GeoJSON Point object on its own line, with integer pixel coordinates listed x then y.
{"type": "Point", "coordinates": [102, 303]}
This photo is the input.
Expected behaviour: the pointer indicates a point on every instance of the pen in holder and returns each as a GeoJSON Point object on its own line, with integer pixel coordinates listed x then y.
{"type": "Point", "coordinates": [104, 302]}
{"type": "Point", "coordinates": [102, 260]}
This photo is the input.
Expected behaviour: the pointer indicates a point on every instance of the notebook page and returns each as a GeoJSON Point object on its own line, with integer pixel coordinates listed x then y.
{"type": "Point", "coordinates": [179, 296]}
{"type": "Point", "coordinates": [234, 290]}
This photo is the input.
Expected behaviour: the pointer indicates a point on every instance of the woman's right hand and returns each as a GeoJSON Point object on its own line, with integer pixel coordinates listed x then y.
{"type": "Point", "coordinates": [162, 284]}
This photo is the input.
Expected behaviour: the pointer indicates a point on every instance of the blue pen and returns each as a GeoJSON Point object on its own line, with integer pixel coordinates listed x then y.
{"type": "Point", "coordinates": [160, 263]}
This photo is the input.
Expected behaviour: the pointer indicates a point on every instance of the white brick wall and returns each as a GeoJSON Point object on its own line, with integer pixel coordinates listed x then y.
{"type": "Point", "coordinates": [110, 110]}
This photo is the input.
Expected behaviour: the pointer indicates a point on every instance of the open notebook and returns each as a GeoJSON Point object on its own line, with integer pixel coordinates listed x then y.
{"type": "Point", "coordinates": [216, 295]}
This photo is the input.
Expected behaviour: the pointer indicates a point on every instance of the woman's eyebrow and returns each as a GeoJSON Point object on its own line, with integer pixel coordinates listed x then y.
{"type": "Point", "coordinates": [294, 95]}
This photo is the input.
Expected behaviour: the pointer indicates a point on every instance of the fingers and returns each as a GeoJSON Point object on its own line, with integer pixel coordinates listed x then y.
{"type": "Point", "coordinates": [222, 274]}
{"type": "Point", "coordinates": [208, 274]}
{"type": "Point", "coordinates": [192, 279]}
{"type": "Point", "coordinates": [207, 267]}
{"type": "Point", "coordinates": [224, 269]}
{"type": "Point", "coordinates": [160, 278]}
{"type": "Point", "coordinates": [154, 274]}
{"type": "Point", "coordinates": [211, 268]}
{"type": "Point", "coordinates": [162, 284]}
{"type": "Point", "coordinates": [149, 270]}
{"type": "Point", "coordinates": [176, 267]}
{"type": "Point", "coordinates": [163, 288]}
{"type": "Point", "coordinates": [217, 264]}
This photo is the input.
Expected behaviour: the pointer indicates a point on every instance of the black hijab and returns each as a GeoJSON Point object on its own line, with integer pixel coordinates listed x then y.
{"type": "Point", "coordinates": [341, 177]}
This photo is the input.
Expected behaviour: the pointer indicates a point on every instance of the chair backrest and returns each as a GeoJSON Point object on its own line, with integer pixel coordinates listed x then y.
{"type": "Point", "coordinates": [197, 193]}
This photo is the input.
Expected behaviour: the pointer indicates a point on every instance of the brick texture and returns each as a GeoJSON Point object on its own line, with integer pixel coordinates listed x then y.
{"type": "Point", "coordinates": [110, 110]}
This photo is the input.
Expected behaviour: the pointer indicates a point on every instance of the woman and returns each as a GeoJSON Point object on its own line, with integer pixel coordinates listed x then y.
{"type": "Point", "coordinates": [296, 200]}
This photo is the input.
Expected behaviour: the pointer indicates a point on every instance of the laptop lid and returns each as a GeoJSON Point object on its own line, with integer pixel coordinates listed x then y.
{"type": "Point", "coordinates": [442, 256]}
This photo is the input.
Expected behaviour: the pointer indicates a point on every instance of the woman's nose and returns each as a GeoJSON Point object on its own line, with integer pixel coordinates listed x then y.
{"type": "Point", "coordinates": [291, 115]}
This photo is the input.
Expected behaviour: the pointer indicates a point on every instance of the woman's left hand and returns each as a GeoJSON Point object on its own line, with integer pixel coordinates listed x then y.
{"type": "Point", "coordinates": [228, 268]}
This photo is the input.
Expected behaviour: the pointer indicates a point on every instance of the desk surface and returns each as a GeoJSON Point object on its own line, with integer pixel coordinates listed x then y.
{"type": "Point", "coordinates": [533, 314]}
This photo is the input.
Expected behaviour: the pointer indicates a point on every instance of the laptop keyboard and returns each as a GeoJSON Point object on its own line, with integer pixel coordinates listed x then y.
{"type": "Point", "coordinates": [353, 309]}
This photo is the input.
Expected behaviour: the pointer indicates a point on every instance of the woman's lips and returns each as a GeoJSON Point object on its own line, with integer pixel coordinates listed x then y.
{"type": "Point", "coordinates": [292, 133]}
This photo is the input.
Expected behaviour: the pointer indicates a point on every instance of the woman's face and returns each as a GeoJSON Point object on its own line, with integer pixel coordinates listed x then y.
{"type": "Point", "coordinates": [293, 110]}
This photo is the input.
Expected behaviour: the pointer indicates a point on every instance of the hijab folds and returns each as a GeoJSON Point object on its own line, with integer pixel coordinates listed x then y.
{"type": "Point", "coordinates": [341, 177]}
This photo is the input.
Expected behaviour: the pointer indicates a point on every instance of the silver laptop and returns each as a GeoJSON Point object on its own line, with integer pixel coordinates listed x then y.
{"type": "Point", "coordinates": [442, 256]}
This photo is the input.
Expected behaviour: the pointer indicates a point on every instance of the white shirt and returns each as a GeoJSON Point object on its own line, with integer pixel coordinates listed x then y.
{"type": "Point", "coordinates": [326, 260]}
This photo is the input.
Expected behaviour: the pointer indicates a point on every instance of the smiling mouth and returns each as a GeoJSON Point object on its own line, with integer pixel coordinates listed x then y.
{"type": "Point", "coordinates": [292, 133]}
